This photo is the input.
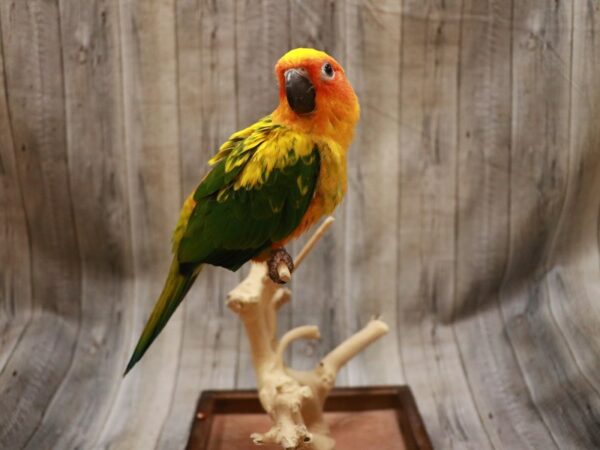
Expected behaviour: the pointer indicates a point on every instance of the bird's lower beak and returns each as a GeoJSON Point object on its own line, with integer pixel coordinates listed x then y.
{"type": "Point", "coordinates": [299, 91]}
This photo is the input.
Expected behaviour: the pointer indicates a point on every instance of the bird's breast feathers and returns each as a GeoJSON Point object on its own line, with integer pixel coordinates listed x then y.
{"type": "Point", "coordinates": [284, 148]}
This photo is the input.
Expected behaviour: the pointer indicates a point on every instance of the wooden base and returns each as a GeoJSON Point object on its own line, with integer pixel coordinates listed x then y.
{"type": "Point", "coordinates": [224, 420]}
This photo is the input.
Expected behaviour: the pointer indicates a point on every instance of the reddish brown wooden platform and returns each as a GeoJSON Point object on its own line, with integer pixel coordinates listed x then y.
{"type": "Point", "coordinates": [224, 420]}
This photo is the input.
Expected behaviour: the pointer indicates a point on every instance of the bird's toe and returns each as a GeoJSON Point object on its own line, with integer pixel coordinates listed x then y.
{"type": "Point", "coordinates": [278, 262]}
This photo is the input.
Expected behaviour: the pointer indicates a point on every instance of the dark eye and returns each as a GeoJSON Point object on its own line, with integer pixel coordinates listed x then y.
{"type": "Point", "coordinates": [328, 71]}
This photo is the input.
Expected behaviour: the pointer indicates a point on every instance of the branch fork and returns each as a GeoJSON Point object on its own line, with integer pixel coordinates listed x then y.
{"type": "Point", "coordinates": [293, 399]}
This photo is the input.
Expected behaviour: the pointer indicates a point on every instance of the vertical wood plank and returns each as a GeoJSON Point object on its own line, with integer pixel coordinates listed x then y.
{"type": "Point", "coordinates": [577, 315]}
{"type": "Point", "coordinates": [98, 179]}
{"type": "Point", "coordinates": [15, 249]}
{"type": "Point", "coordinates": [508, 420]}
{"type": "Point", "coordinates": [262, 37]}
{"type": "Point", "coordinates": [35, 92]}
{"type": "Point", "coordinates": [482, 196]}
{"type": "Point", "coordinates": [373, 33]}
{"type": "Point", "coordinates": [552, 328]}
{"type": "Point", "coordinates": [206, 61]}
{"type": "Point", "coordinates": [541, 59]}
{"type": "Point", "coordinates": [428, 128]}
{"type": "Point", "coordinates": [148, 51]}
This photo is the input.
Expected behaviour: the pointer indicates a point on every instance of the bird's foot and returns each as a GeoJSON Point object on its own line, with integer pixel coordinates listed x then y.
{"type": "Point", "coordinates": [277, 271]}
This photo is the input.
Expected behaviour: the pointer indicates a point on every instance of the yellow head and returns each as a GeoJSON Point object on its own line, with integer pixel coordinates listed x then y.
{"type": "Point", "coordinates": [315, 96]}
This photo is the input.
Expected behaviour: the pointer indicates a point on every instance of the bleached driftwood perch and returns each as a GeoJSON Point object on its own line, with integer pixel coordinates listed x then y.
{"type": "Point", "coordinates": [293, 399]}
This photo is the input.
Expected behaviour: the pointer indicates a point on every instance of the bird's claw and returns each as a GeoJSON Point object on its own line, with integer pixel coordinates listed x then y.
{"type": "Point", "coordinates": [278, 257]}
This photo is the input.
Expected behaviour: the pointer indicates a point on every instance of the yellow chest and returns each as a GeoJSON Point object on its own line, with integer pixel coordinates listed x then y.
{"type": "Point", "coordinates": [332, 182]}
{"type": "Point", "coordinates": [330, 189]}
{"type": "Point", "coordinates": [273, 153]}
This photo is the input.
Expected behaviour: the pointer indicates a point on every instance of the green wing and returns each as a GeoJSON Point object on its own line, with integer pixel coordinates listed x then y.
{"type": "Point", "coordinates": [227, 224]}
{"type": "Point", "coordinates": [230, 224]}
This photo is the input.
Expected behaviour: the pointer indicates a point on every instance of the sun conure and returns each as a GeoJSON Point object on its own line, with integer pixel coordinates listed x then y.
{"type": "Point", "coordinates": [267, 184]}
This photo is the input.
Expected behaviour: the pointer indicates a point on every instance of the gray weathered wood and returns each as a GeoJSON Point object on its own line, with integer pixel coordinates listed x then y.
{"type": "Point", "coordinates": [471, 221]}
{"type": "Point", "coordinates": [34, 373]}
{"type": "Point", "coordinates": [207, 115]}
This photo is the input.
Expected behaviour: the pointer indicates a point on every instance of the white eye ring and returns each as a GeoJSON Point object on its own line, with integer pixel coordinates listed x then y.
{"type": "Point", "coordinates": [328, 71]}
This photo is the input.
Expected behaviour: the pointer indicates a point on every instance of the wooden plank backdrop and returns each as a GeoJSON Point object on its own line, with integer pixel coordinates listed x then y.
{"type": "Point", "coordinates": [471, 222]}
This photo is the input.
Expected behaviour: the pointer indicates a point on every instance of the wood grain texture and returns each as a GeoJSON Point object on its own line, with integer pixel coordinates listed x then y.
{"type": "Point", "coordinates": [471, 221]}
{"type": "Point", "coordinates": [428, 229]}
{"type": "Point", "coordinates": [98, 180]}
{"type": "Point", "coordinates": [34, 373]}
{"type": "Point", "coordinates": [207, 113]}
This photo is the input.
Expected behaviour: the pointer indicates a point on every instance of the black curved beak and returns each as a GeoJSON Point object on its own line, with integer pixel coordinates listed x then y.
{"type": "Point", "coordinates": [299, 91]}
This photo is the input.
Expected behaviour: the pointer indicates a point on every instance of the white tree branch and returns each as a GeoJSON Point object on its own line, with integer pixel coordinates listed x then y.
{"type": "Point", "coordinates": [306, 332]}
{"type": "Point", "coordinates": [355, 344]}
{"type": "Point", "coordinates": [294, 400]}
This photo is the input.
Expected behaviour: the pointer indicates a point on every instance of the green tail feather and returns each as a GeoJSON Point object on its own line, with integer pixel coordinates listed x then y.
{"type": "Point", "coordinates": [174, 290]}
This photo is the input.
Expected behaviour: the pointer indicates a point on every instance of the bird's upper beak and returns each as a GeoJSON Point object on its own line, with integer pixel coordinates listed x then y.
{"type": "Point", "coordinates": [299, 91]}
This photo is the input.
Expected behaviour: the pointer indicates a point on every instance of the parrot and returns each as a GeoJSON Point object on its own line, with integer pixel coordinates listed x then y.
{"type": "Point", "coordinates": [266, 185]}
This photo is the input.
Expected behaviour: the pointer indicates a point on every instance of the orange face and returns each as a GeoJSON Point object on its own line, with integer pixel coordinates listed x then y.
{"type": "Point", "coordinates": [314, 93]}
